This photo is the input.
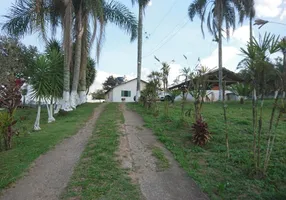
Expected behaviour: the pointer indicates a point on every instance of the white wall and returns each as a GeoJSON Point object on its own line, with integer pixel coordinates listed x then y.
{"type": "Point", "coordinates": [109, 95]}
{"type": "Point", "coordinates": [212, 94]}
{"type": "Point", "coordinates": [130, 86]}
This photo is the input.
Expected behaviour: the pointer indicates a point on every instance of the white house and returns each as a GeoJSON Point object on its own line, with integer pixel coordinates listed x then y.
{"type": "Point", "coordinates": [124, 92]}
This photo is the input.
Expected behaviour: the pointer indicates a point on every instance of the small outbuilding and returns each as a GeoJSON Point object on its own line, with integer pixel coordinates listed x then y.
{"type": "Point", "coordinates": [124, 92]}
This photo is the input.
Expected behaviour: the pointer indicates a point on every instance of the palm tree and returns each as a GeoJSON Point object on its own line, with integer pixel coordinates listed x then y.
{"type": "Point", "coordinates": [248, 10]}
{"type": "Point", "coordinates": [219, 13]}
{"type": "Point", "coordinates": [257, 59]}
{"type": "Point", "coordinates": [101, 13]}
{"type": "Point", "coordinates": [46, 79]}
{"type": "Point", "coordinates": [242, 90]}
{"type": "Point", "coordinates": [28, 16]}
{"type": "Point", "coordinates": [55, 56]}
{"type": "Point", "coordinates": [141, 5]}
{"type": "Point", "coordinates": [186, 72]}
{"type": "Point", "coordinates": [40, 85]}
{"type": "Point", "coordinates": [165, 74]}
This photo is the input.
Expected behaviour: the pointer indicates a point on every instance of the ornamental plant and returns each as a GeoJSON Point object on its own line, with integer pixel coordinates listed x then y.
{"type": "Point", "coordinates": [201, 134]}
{"type": "Point", "coordinates": [10, 99]}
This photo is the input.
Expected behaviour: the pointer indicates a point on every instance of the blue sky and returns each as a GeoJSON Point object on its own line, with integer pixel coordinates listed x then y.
{"type": "Point", "coordinates": [172, 34]}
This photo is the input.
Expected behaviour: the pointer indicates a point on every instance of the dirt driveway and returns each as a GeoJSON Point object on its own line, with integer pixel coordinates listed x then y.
{"type": "Point", "coordinates": [50, 173]}
{"type": "Point", "coordinates": [172, 183]}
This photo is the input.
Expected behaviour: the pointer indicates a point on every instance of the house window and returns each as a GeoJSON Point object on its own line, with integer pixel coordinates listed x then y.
{"type": "Point", "coordinates": [125, 93]}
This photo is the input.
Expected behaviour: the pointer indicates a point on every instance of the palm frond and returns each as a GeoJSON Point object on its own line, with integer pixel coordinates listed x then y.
{"type": "Point", "coordinates": [119, 14]}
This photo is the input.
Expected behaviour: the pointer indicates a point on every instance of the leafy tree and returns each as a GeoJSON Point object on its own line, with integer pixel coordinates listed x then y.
{"type": "Point", "coordinates": [12, 57]}
{"type": "Point", "coordinates": [111, 82]}
{"type": "Point", "coordinates": [99, 94]}
{"type": "Point", "coordinates": [90, 74]}
{"type": "Point", "coordinates": [219, 13]}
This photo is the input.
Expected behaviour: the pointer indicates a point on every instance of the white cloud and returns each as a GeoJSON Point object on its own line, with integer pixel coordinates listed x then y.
{"type": "Point", "coordinates": [283, 15]}
{"type": "Point", "coordinates": [174, 72]}
{"type": "Point", "coordinates": [230, 58]}
{"type": "Point", "coordinates": [269, 8]}
{"type": "Point", "coordinates": [242, 34]}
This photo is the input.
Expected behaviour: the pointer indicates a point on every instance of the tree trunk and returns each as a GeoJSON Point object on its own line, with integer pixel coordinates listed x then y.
{"type": "Point", "coordinates": [267, 159]}
{"type": "Point", "coordinates": [50, 111]}
{"type": "Point", "coordinates": [37, 122]}
{"type": "Point", "coordinates": [24, 100]}
{"type": "Point", "coordinates": [260, 121]}
{"type": "Point", "coordinates": [270, 132]}
{"type": "Point", "coordinates": [78, 49]}
{"type": "Point", "coordinates": [139, 55]}
{"type": "Point", "coordinates": [251, 31]}
{"type": "Point", "coordinates": [241, 100]}
{"type": "Point", "coordinates": [67, 27]}
{"type": "Point", "coordinates": [225, 121]}
{"type": "Point", "coordinates": [83, 66]}
{"type": "Point", "coordinates": [220, 74]}
{"type": "Point", "coordinates": [284, 74]}
{"type": "Point", "coordinates": [254, 122]}
{"type": "Point", "coordinates": [276, 94]}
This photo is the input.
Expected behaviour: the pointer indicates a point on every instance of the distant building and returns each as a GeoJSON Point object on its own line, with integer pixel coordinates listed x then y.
{"type": "Point", "coordinates": [212, 93]}
{"type": "Point", "coordinates": [124, 92]}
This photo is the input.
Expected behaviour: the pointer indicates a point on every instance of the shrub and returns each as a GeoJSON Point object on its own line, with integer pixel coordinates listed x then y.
{"type": "Point", "coordinates": [10, 99]}
{"type": "Point", "coordinates": [201, 135]}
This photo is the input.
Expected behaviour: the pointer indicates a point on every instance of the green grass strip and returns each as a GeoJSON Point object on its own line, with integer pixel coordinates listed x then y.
{"type": "Point", "coordinates": [98, 174]}
{"type": "Point", "coordinates": [222, 178]}
{"type": "Point", "coordinates": [28, 147]}
{"type": "Point", "coordinates": [162, 162]}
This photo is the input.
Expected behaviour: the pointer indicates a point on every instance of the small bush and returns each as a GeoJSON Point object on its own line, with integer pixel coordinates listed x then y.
{"type": "Point", "coordinates": [201, 135]}
{"type": "Point", "coordinates": [10, 99]}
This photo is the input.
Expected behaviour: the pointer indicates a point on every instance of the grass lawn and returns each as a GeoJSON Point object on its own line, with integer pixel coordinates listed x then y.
{"type": "Point", "coordinates": [98, 175]}
{"type": "Point", "coordinates": [27, 147]}
{"type": "Point", "coordinates": [208, 166]}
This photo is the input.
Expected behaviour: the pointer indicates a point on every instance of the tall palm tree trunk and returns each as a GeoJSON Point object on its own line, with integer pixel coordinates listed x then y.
{"type": "Point", "coordinates": [284, 74]}
{"type": "Point", "coordinates": [220, 75]}
{"type": "Point", "coordinates": [67, 27]}
{"type": "Point", "coordinates": [250, 30]}
{"type": "Point", "coordinates": [78, 48]}
{"type": "Point", "coordinates": [83, 65]}
{"type": "Point", "coordinates": [139, 56]}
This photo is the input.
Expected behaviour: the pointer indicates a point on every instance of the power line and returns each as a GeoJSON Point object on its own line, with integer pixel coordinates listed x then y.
{"type": "Point", "coordinates": [170, 33]}
{"type": "Point", "coordinates": [175, 1]}
{"type": "Point", "coordinates": [167, 40]}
